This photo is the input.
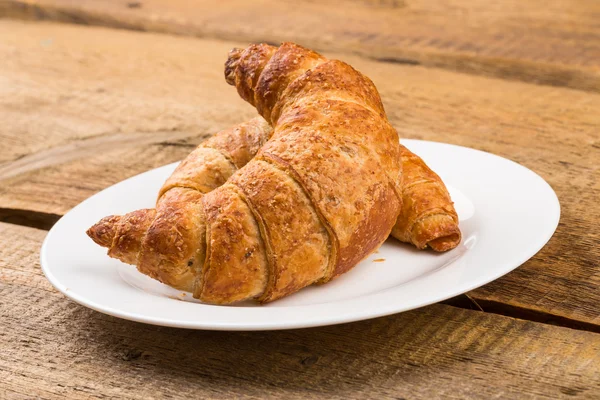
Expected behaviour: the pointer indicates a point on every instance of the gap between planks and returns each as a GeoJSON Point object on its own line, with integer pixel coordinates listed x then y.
{"type": "Point", "coordinates": [45, 221]}
{"type": "Point", "coordinates": [494, 307]}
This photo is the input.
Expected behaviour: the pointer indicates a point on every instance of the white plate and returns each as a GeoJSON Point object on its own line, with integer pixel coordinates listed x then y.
{"type": "Point", "coordinates": [507, 213]}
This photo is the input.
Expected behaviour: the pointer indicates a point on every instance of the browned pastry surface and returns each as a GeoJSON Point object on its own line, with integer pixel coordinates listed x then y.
{"type": "Point", "coordinates": [215, 160]}
{"type": "Point", "coordinates": [428, 217]}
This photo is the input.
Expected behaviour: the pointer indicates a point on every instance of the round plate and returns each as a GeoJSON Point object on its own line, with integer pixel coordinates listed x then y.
{"type": "Point", "coordinates": [507, 213]}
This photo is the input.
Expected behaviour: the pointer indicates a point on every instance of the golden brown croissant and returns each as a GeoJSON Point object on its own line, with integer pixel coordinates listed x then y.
{"type": "Point", "coordinates": [321, 194]}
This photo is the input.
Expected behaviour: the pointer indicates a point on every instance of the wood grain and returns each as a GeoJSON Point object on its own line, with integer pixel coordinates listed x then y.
{"type": "Point", "coordinates": [56, 88]}
{"type": "Point", "coordinates": [53, 348]}
{"type": "Point", "coordinates": [554, 43]}
{"type": "Point", "coordinates": [159, 83]}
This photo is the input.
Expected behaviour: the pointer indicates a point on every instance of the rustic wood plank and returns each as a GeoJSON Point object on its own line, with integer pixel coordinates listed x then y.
{"type": "Point", "coordinates": [46, 103]}
{"type": "Point", "coordinates": [157, 88]}
{"type": "Point", "coordinates": [554, 43]}
{"type": "Point", "coordinates": [54, 348]}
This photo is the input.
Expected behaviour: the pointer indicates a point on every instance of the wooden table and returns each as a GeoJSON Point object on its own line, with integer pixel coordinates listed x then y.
{"type": "Point", "coordinates": [86, 100]}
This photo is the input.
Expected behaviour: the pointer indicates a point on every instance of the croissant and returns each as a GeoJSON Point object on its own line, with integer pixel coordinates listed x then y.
{"type": "Point", "coordinates": [319, 196]}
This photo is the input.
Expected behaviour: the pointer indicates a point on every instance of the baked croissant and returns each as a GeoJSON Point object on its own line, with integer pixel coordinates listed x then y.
{"type": "Point", "coordinates": [427, 216]}
{"type": "Point", "coordinates": [321, 194]}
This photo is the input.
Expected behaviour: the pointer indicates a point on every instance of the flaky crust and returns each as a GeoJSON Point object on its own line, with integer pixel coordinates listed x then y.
{"type": "Point", "coordinates": [236, 266]}
{"type": "Point", "coordinates": [169, 250]}
{"type": "Point", "coordinates": [332, 136]}
{"type": "Point", "coordinates": [298, 244]}
{"type": "Point", "coordinates": [428, 217]}
{"type": "Point", "coordinates": [214, 161]}
{"type": "Point", "coordinates": [169, 243]}
{"type": "Point", "coordinates": [321, 194]}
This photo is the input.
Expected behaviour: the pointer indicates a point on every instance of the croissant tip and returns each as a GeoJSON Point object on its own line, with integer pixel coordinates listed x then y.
{"type": "Point", "coordinates": [231, 64]}
{"type": "Point", "coordinates": [445, 243]}
{"type": "Point", "coordinates": [103, 232]}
